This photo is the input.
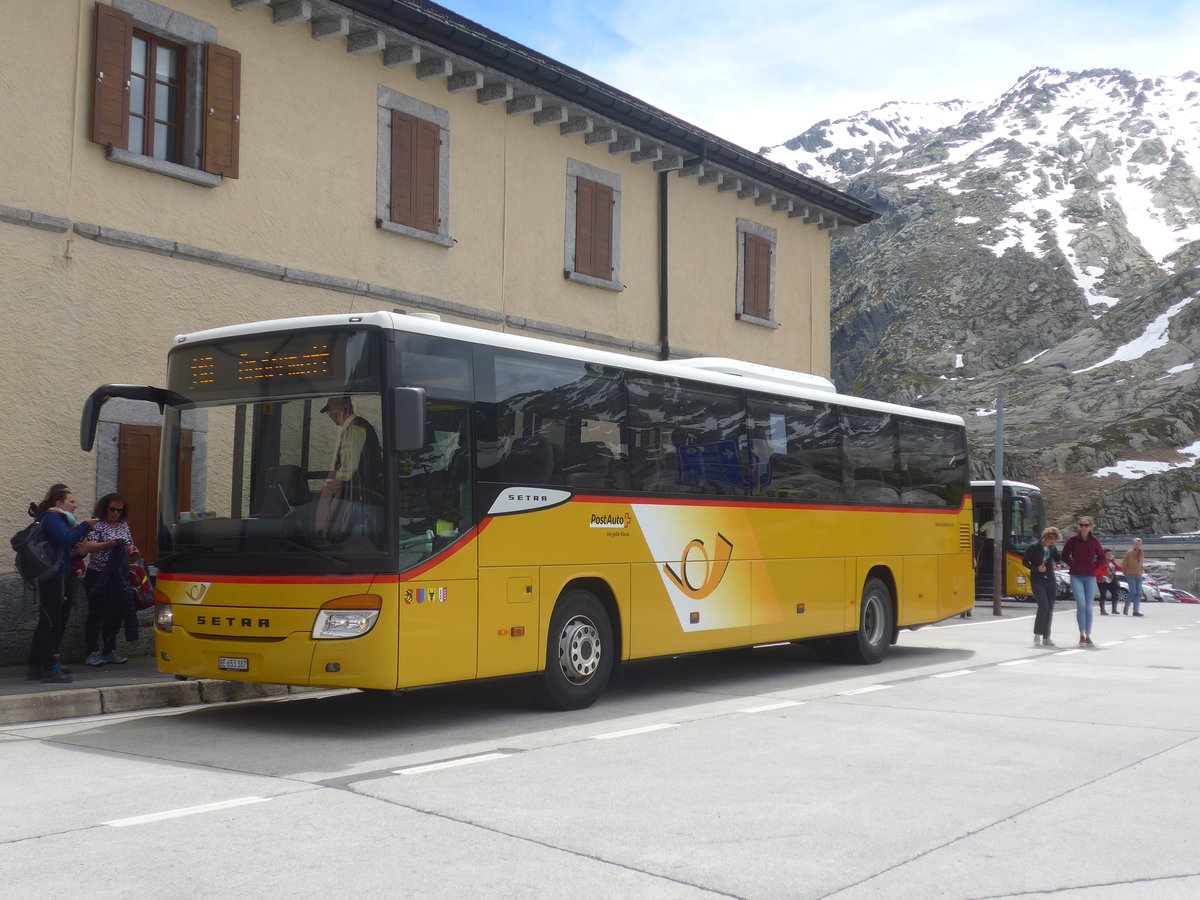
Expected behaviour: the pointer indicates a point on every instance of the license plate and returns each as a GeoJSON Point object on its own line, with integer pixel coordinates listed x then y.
{"type": "Point", "coordinates": [233, 663]}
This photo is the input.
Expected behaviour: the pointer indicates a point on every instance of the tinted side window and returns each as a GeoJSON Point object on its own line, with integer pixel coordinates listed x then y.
{"type": "Point", "coordinates": [933, 463]}
{"type": "Point", "coordinates": [547, 421]}
{"type": "Point", "coordinates": [442, 367]}
{"type": "Point", "coordinates": [796, 449]}
{"type": "Point", "coordinates": [870, 445]}
{"type": "Point", "coordinates": [686, 438]}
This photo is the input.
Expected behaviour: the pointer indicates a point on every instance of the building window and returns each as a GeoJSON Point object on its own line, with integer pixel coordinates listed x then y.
{"type": "Point", "coordinates": [165, 95]}
{"type": "Point", "coordinates": [156, 98]}
{"type": "Point", "coordinates": [593, 232]}
{"type": "Point", "coordinates": [756, 273]}
{"type": "Point", "coordinates": [413, 170]}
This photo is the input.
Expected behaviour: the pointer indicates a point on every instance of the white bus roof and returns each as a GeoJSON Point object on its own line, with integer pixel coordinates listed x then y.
{"type": "Point", "coordinates": [713, 370]}
{"type": "Point", "coordinates": [1006, 483]}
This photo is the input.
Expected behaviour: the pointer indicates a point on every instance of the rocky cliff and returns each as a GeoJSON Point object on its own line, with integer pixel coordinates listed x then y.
{"type": "Point", "coordinates": [1048, 242]}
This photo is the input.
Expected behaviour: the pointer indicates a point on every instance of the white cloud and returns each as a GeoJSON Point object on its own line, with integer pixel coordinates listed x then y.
{"type": "Point", "coordinates": [758, 74]}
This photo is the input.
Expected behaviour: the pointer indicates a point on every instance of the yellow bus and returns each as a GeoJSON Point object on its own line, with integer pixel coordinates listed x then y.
{"type": "Point", "coordinates": [387, 501]}
{"type": "Point", "coordinates": [1024, 512]}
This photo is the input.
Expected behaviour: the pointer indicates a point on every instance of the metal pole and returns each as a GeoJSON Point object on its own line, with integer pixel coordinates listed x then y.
{"type": "Point", "coordinates": [998, 573]}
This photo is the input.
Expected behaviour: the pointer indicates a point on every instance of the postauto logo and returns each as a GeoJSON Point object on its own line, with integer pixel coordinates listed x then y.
{"type": "Point", "coordinates": [695, 559]}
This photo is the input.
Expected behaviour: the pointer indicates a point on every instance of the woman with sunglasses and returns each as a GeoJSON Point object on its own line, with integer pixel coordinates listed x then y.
{"type": "Point", "coordinates": [106, 580]}
{"type": "Point", "coordinates": [1083, 554]}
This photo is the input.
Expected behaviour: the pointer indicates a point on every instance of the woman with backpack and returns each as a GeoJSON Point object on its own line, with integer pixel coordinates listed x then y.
{"type": "Point", "coordinates": [56, 513]}
{"type": "Point", "coordinates": [111, 547]}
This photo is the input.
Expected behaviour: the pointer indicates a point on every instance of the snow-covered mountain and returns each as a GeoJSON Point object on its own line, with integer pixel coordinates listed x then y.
{"type": "Point", "coordinates": [1049, 241]}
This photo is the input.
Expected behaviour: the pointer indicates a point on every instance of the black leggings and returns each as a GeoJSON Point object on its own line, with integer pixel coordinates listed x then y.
{"type": "Point", "coordinates": [54, 609]}
{"type": "Point", "coordinates": [1043, 593]}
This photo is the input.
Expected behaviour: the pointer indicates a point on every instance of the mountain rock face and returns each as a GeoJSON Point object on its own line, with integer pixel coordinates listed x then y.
{"type": "Point", "coordinates": [1048, 242]}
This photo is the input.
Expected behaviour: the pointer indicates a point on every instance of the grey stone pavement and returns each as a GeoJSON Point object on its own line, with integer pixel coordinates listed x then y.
{"type": "Point", "coordinates": [138, 684]}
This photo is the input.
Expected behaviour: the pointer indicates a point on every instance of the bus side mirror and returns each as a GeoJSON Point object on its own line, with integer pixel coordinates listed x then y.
{"type": "Point", "coordinates": [408, 418]}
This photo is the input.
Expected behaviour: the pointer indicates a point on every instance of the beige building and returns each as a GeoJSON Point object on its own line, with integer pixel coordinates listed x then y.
{"type": "Point", "coordinates": [176, 165]}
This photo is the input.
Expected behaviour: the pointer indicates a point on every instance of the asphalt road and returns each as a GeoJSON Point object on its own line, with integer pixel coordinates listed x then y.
{"type": "Point", "coordinates": [968, 765]}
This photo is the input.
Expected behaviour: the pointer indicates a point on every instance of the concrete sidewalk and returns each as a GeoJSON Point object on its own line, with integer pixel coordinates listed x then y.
{"type": "Point", "coordinates": [115, 688]}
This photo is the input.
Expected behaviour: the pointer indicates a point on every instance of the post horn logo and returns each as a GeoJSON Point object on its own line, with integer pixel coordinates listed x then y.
{"type": "Point", "coordinates": [714, 569]}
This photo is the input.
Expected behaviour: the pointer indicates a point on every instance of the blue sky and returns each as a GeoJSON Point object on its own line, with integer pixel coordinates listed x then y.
{"type": "Point", "coordinates": [760, 73]}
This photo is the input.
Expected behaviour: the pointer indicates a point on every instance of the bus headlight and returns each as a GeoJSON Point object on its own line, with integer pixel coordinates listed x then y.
{"type": "Point", "coordinates": [164, 618]}
{"type": "Point", "coordinates": [347, 617]}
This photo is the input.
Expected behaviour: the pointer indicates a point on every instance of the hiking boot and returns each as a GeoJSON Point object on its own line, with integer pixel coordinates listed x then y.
{"type": "Point", "coordinates": [112, 656]}
{"type": "Point", "coordinates": [94, 659]}
{"type": "Point", "coordinates": [55, 675]}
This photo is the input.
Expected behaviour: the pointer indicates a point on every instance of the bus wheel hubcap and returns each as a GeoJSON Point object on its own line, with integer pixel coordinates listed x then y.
{"type": "Point", "coordinates": [579, 650]}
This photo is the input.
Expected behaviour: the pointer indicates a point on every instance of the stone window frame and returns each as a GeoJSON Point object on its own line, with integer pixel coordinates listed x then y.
{"type": "Point", "coordinates": [575, 171]}
{"type": "Point", "coordinates": [388, 100]}
{"type": "Point", "coordinates": [192, 35]}
{"type": "Point", "coordinates": [771, 236]}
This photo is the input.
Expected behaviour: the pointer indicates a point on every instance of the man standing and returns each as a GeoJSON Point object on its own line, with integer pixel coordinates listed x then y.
{"type": "Point", "coordinates": [1134, 564]}
{"type": "Point", "coordinates": [355, 475]}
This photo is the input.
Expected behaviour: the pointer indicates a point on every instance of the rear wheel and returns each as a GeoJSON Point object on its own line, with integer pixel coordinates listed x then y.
{"type": "Point", "coordinates": [579, 653]}
{"type": "Point", "coordinates": [870, 643]}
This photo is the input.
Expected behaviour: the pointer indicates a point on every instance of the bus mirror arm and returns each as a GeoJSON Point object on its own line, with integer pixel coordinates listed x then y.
{"type": "Point", "coordinates": [408, 418]}
{"type": "Point", "coordinates": [90, 420]}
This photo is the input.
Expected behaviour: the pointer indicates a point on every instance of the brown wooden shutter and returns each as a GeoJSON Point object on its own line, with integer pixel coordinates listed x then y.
{"type": "Point", "coordinates": [416, 172]}
{"type": "Point", "coordinates": [593, 229]}
{"type": "Point", "coordinates": [110, 76]}
{"type": "Point", "coordinates": [222, 110]}
{"type": "Point", "coordinates": [756, 271]}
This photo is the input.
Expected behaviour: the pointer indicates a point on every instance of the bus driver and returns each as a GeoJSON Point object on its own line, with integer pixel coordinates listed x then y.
{"type": "Point", "coordinates": [354, 475]}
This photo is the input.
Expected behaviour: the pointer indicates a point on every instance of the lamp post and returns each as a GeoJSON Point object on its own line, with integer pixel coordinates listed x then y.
{"type": "Point", "coordinates": [998, 573]}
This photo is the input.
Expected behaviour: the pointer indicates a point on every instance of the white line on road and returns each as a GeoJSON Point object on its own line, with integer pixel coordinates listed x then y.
{"type": "Point", "coordinates": [1019, 662]}
{"type": "Point", "coordinates": [645, 729]}
{"type": "Point", "coordinates": [866, 690]}
{"type": "Point", "coordinates": [185, 811]}
{"type": "Point", "coordinates": [953, 674]}
{"type": "Point", "coordinates": [1069, 652]}
{"type": "Point", "coordinates": [450, 763]}
{"type": "Point", "coordinates": [784, 705]}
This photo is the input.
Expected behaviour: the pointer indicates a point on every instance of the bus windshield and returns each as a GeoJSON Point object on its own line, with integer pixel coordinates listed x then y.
{"type": "Point", "coordinates": [282, 465]}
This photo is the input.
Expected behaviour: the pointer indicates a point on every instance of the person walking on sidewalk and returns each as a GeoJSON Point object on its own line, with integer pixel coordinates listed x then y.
{"type": "Point", "coordinates": [107, 579]}
{"type": "Point", "coordinates": [1134, 564]}
{"type": "Point", "coordinates": [1083, 554]}
{"type": "Point", "coordinates": [1106, 582]}
{"type": "Point", "coordinates": [57, 514]}
{"type": "Point", "coordinates": [1040, 559]}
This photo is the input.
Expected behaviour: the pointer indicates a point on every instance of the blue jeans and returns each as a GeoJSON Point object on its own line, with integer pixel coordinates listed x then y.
{"type": "Point", "coordinates": [1135, 592]}
{"type": "Point", "coordinates": [1084, 589]}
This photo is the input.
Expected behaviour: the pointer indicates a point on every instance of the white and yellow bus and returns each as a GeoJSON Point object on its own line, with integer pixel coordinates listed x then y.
{"type": "Point", "coordinates": [386, 501]}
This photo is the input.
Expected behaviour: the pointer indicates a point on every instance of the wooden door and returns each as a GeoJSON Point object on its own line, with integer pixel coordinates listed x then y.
{"type": "Point", "coordinates": [137, 481]}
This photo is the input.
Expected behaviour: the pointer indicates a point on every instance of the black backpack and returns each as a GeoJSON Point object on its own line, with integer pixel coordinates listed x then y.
{"type": "Point", "coordinates": [37, 560]}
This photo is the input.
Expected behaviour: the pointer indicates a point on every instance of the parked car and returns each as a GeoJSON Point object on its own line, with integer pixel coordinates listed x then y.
{"type": "Point", "coordinates": [1177, 595]}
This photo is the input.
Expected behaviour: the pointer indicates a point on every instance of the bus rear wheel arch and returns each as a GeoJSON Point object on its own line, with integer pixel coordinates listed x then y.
{"type": "Point", "coordinates": [580, 651]}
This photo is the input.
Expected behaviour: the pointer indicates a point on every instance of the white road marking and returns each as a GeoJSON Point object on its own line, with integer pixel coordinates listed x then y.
{"type": "Point", "coordinates": [1069, 652]}
{"type": "Point", "coordinates": [953, 674]}
{"type": "Point", "coordinates": [645, 729]}
{"type": "Point", "coordinates": [450, 763]}
{"type": "Point", "coordinates": [784, 705]}
{"type": "Point", "coordinates": [1019, 662]}
{"type": "Point", "coordinates": [185, 811]}
{"type": "Point", "coordinates": [866, 690]}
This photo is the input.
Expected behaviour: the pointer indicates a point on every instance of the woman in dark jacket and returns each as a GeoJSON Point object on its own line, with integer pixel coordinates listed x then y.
{"type": "Point", "coordinates": [57, 515]}
{"type": "Point", "coordinates": [107, 581]}
{"type": "Point", "coordinates": [1083, 554]}
{"type": "Point", "coordinates": [1040, 559]}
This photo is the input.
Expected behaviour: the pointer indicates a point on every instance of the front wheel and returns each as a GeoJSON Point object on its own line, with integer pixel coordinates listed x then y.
{"type": "Point", "coordinates": [870, 643]}
{"type": "Point", "coordinates": [579, 653]}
